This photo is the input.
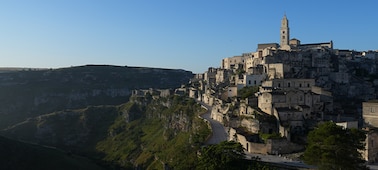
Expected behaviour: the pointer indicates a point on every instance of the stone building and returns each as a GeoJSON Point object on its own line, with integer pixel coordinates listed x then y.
{"type": "Point", "coordinates": [253, 144]}
{"type": "Point", "coordinates": [370, 116]}
{"type": "Point", "coordinates": [291, 101]}
{"type": "Point", "coordinates": [261, 47]}
{"type": "Point", "coordinates": [251, 80]}
{"type": "Point", "coordinates": [370, 154]}
{"type": "Point", "coordinates": [235, 62]}
{"type": "Point", "coordinates": [328, 45]}
{"type": "Point", "coordinates": [275, 71]}
{"type": "Point", "coordinates": [210, 76]}
{"type": "Point", "coordinates": [222, 76]}
{"type": "Point", "coordinates": [284, 34]}
{"type": "Point", "coordinates": [370, 113]}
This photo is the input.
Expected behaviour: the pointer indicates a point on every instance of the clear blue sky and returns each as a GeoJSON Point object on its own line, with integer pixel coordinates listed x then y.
{"type": "Point", "coordinates": [186, 34]}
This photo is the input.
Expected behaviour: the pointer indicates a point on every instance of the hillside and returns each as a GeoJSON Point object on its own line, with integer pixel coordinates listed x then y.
{"type": "Point", "coordinates": [28, 93]}
{"type": "Point", "coordinates": [22, 156]}
{"type": "Point", "coordinates": [146, 132]}
{"type": "Point", "coordinates": [76, 131]}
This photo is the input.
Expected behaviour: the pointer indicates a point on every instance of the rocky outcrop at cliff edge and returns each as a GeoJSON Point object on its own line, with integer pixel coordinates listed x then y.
{"type": "Point", "coordinates": [29, 93]}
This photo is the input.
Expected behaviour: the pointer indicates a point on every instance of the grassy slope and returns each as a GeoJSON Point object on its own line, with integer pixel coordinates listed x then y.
{"type": "Point", "coordinates": [149, 144]}
{"type": "Point", "coordinates": [19, 155]}
{"type": "Point", "coordinates": [128, 135]}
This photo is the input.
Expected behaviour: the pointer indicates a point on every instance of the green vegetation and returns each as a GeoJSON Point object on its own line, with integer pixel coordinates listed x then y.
{"type": "Point", "coordinates": [221, 156]}
{"type": "Point", "coordinates": [266, 136]}
{"type": "Point", "coordinates": [332, 147]}
{"type": "Point", "coordinates": [163, 136]}
{"type": "Point", "coordinates": [240, 71]}
{"type": "Point", "coordinates": [146, 133]}
{"type": "Point", "coordinates": [23, 156]}
{"type": "Point", "coordinates": [227, 155]}
{"type": "Point", "coordinates": [247, 92]}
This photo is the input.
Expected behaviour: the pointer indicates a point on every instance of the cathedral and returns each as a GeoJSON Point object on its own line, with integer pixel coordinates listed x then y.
{"type": "Point", "coordinates": [288, 44]}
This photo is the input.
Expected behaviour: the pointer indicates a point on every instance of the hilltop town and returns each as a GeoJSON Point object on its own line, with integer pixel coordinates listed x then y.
{"type": "Point", "coordinates": [271, 98]}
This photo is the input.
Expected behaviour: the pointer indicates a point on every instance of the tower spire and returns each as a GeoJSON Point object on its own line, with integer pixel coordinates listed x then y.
{"type": "Point", "coordinates": [284, 32]}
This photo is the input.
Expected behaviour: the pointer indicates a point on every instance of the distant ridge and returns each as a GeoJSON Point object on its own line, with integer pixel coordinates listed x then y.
{"type": "Point", "coordinates": [9, 69]}
{"type": "Point", "coordinates": [29, 92]}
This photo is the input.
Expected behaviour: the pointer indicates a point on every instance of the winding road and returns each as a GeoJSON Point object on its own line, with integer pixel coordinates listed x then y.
{"type": "Point", "coordinates": [219, 132]}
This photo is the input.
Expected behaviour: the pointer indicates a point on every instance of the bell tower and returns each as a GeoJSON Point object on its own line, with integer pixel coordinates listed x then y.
{"type": "Point", "coordinates": [284, 32]}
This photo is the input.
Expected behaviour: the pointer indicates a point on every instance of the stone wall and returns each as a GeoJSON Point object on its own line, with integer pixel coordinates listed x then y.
{"type": "Point", "coordinates": [272, 146]}
{"type": "Point", "coordinates": [282, 146]}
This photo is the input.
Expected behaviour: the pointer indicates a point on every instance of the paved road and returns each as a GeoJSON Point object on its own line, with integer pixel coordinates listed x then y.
{"type": "Point", "coordinates": [219, 131]}
{"type": "Point", "coordinates": [280, 160]}
{"type": "Point", "coordinates": [373, 167]}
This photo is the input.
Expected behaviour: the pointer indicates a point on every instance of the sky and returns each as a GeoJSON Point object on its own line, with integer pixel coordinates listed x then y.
{"type": "Point", "coordinates": [179, 34]}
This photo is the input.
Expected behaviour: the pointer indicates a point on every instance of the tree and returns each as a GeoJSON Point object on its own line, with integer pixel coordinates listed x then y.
{"type": "Point", "coordinates": [221, 156]}
{"type": "Point", "coordinates": [332, 147]}
{"type": "Point", "coordinates": [246, 92]}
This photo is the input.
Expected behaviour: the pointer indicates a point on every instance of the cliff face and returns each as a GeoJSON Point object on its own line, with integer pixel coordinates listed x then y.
{"type": "Point", "coordinates": [26, 94]}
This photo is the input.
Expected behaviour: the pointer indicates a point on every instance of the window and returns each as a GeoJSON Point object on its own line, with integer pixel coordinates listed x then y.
{"type": "Point", "coordinates": [372, 110]}
{"type": "Point", "coordinates": [249, 82]}
{"type": "Point", "coordinates": [300, 84]}
{"type": "Point", "coordinates": [255, 82]}
{"type": "Point", "coordinates": [308, 84]}
{"type": "Point", "coordinates": [288, 84]}
{"type": "Point", "coordinates": [279, 84]}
